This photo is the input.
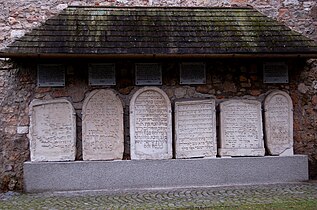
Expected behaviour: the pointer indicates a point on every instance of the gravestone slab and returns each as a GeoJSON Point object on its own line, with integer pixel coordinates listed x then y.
{"type": "Point", "coordinates": [278, 115]}
{"type": "Point", "coordinates": [102, 126]}
{"type": "Point", "coordinates": [52, 130]}
{"type": "Point", "coordinates": [195, 129]}
{"type": "Point", "coordinates": [241, 132]}
{"type": "Point", "coordinates": [150, 124]}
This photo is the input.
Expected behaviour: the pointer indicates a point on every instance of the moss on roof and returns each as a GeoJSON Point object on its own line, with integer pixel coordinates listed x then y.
{"type": "Point", "coordinates": [184, 31]}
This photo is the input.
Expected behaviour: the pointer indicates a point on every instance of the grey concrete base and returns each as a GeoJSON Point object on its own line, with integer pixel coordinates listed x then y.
{"type": "Point", "coordinates": [127, 174]}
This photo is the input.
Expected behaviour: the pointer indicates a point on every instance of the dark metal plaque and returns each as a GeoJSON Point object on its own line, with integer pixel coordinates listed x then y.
{"type": "Point", "coordinates": [148, 74]}
{"type": "Point", "coordinates": [102, 74]}
{"type": "Point", "coordinates": [50, 75]}
{"type": "Point", "coordinates": [275, 73]}
{"type": "Point", "coordinates": [192, 73]}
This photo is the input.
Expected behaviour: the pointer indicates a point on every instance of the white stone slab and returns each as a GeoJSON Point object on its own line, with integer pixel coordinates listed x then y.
{"type": "Point", "coordinates": [241, 132]}
{"type": "Point", "coordinates": [52, 130]}
{"type": "Point", "coordinates": [278, 115]}
{"type": "Point", "coordinates": [102, 126]}
{"type": "Point", "coordinates": [150, 124]}
{"type": "Point", "coordinates": [195, 129]}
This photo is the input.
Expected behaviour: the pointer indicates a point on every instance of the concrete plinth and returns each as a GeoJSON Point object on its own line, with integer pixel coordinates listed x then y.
{"type": "Point", "coordinates": [140, 174]}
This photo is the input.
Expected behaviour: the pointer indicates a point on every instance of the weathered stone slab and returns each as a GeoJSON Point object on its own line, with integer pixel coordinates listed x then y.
{"type": "Point", "coordinates": [278, 115]}
{"type": "Point", "coordinates": [150, 124]}
{"type": "Point", "coordinates": [195, 129]}
{"type": "Point", "coordinates": [241, 132]}
{"type": "Point", "coordinates": [102, 127]}
{"type": "Point", "coordinates": [52, 130]}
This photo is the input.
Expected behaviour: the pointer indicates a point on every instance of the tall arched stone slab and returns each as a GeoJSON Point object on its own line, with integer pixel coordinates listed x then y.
{"type": "Point", "coordinates": [278, 113]}
{"type": "Point", "coordinates": [52, 132]}
{"type": "Point", "coordinates": [150, 124]}
{"type": "Point", "coordinates": [241, 132]}
{"type": "Point", "coordinates": [102, 126]}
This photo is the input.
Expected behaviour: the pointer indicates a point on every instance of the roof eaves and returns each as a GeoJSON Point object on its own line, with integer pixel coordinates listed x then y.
{"type": "Point", "coordinates": [158, 56]}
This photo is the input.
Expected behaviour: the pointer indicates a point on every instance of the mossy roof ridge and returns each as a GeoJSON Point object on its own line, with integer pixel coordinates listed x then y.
{"type": "Point", "coordinates": [152, 30]}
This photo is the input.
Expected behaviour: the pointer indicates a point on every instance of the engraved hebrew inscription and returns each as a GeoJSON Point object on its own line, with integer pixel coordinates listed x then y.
{"type": "Point", "coordinates": [102, 126]}
{"type": "Point", "coordinates": [241, 128]}
{"type": "Point", "coordinates": [52, 130]}
{"type": "Point", "coordinates": [278, 108]}
{"type": "Point", "coordinates": [195, 129]}
{"type": "Point", "coordinates": [150, 124]}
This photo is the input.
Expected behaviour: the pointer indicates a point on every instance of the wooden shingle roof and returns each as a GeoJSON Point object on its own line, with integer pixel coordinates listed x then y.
{"type": "Point", "coordinates": [144, 31]}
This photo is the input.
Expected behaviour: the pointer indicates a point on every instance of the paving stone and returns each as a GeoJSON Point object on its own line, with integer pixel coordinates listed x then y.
{"type": "Point", "coordinates": [164, 198]}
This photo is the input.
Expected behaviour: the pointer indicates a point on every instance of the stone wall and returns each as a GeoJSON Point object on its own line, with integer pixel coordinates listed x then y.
{"type": "Point", "coordinates": [15, 92]}
{"type": "Point", "coordinates": [240, 79]}
{"type": "Point", "coordinates": [305, 114]}
{"type": "Point", "coordinates": [226, 79]}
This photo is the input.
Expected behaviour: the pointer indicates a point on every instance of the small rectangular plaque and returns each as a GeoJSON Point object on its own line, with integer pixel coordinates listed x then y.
{"type": "Point", "coordinates": [102, 74]}
{"type": "Point", "coordinates": [50, 75]}
{"type": "Point", "coordinates": [193, 73]}
{"type": "Point", "coordinates": [275, 73]}
{"type": "Point", "coordinates": [148, 74]}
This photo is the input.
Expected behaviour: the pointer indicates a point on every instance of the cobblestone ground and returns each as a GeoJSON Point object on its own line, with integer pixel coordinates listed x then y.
{"type": "Point", "coordinates": [164, 198]}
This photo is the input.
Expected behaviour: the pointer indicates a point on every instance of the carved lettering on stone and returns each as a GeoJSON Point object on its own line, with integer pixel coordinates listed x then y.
{"type": "Point", "coordinates": [241, 132]}
{"type": "Point", "coordinates": [102, 127]}
{"type": "Point", "coordinates": [195, 129]}
{"type": "Point", "coordinates": [52, 130]}
{"type": "Point", "coordinates": [278, 109]}
{"type": "Point", "coordinates": [150, 124]}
